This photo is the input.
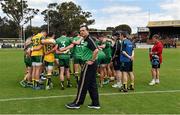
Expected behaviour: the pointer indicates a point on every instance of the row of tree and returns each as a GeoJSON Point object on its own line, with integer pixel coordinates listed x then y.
{"type": "Point", "coordinates": [66, 16]}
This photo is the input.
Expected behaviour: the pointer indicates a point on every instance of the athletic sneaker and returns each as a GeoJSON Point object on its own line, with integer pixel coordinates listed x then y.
{"type": "Point", "coordinates": [106, 82]}
{"type": "Point", "coordinates": [116, 86]}
{"type": "Point", "coordinates": [157, 81]}
{"type": "Point", "coordinates": [23, 83]}
{"type": "Point", "coordinates": [42, 77]}
{"type": "Point", "coordinates": [94, 106]}
{"type": "Point", "coordinates": [29, 84]}
{"type": "Point", "coordinates": [62, 86]}
{"type": "Point", "coordinates": [47, 87]}
{"type": "Point", "coordinates": [51, 85]}
{"type": "Point", "coordinates": [72, 106]}
{"type": "Point", "coordinates": [69, 84]}
{"type": "Point", "coordinates": [131, 87]}
{"type": "Point", "coordinates": [152, 82]}
{"type": "Point", "coordinates": [123, 89]}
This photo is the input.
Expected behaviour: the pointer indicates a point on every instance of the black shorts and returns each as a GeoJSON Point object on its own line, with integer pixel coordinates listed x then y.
{"type": "Point", "coordinates": [126, 66]}
{"type": "Point", "coordinates": [116, 64]}
{"type": "Point", "coordinates": [156, 66]}
{"type": "Point", "coordinates": [78, 61]}
{"type": "Point", "coordinates": [64, 63]}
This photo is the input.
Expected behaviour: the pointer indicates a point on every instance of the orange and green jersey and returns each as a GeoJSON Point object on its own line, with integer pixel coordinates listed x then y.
{"type": "Point", "coordinates": [48, 47]}
{"type": "Point", "coordinates": [36, 42]}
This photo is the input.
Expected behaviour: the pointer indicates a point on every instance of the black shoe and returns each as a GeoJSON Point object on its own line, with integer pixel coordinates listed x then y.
{"type": "Point", "coordinates": [125, 90]}
{"type": "Point", "coordinates": [72, 106]}
{"type": "Point", "coordinates": [69, 85]}
{"type": "Point", "coordinates": [29, 84]}
{"type": "Point", "coordinates": [131, 87]}
{"type": "Point", "coordinates": [94, 106]}
{"type": "Point", "coordinates": [122, 89]}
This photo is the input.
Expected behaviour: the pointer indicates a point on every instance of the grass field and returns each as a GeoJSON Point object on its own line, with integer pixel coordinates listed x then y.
{"type": "Point", "coordinates": [158, 99]}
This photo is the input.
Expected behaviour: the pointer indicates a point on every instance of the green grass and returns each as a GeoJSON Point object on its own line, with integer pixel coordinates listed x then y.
{"type": "Point", "coordinates": [12, 71]}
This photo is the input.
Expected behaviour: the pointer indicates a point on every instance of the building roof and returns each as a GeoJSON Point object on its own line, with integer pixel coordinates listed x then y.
{"type": "Point", "coordinates": [172, 23]}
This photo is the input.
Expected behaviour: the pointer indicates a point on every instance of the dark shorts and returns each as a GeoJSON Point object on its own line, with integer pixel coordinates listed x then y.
{"type": "Point", "coordinates": [48, 63]}
{"type": "Point", "coordinates": [116, 64]}
{"type": "Point", "coordinates": [78, 61]}
{"type": "Point", "coordinates": [64, 63]}
{"type": "Point", "coordinates": [126, 66]}
{"type": "Point", "coordinates": [37, 59]}
{"type": "Point", "coordinates": [156, 66]}
{"type": "Point", "coordinates": [56, 56]}
{"type": "Point", "coordinates": [101, 61]}
{"type": "Point", "coordinates": [107, 60]}
{"type": "Point", "coordinates": [27, 61]}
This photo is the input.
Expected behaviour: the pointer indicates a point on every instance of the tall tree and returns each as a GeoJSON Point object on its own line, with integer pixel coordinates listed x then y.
{"type": "Point", "coordinates": [123, 27]}
{"type": "Point", "coordinates": [66, 16]}
{"type": "Point", "coordinates": [18, 11]}
{"type": "Point", "coordinates": [8, 28]}
{"type": "Point", "coordinates": [110, 29]}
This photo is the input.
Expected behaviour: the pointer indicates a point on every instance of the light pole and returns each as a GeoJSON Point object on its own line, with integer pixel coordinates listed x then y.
{"type": "Point", "coordinates": [48, 20]}
{"type": "Point", "coordinates": [22, 24]}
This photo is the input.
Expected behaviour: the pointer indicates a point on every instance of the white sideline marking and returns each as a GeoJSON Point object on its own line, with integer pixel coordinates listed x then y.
{"type": "Point", "coordinates": [102, 94]}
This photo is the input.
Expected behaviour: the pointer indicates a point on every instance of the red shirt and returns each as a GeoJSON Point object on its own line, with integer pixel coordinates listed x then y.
{"type": "Point", "coordinates": [158, 48]}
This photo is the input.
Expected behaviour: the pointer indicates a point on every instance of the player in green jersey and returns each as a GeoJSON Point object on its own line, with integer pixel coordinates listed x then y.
{"type": "Point", "coordinates": [27, 60]}
{"type": "Point", "coordinates": [64, 57]}
{"type": "Point", "coordinates": [77, 51]}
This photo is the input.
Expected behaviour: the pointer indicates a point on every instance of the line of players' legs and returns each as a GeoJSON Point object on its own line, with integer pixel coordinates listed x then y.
{"type": "Point", "coordinates": [39, 75]}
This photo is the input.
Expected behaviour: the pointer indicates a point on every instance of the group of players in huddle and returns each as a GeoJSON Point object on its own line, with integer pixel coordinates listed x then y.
{"type": "Point", "coordinates": [43, 53]}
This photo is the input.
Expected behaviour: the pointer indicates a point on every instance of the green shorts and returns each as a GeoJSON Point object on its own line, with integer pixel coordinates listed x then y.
{"type": "Point", "coordinates": [107, 60]}
{"type": "Point", "coordinates": [78, 60]}
{"type": "Point", "coordinates": [56, 56]}
{"type": "Point", "coordinates": [101, 61]}
{"type": "Point", "coordinates": [64, 63]}
{"type": "Point", "coordinates": [37, 59]}
{"type": "Point", "coordinates": [48, 63]}
{"type": "Point", "coordinates": [27, 61]}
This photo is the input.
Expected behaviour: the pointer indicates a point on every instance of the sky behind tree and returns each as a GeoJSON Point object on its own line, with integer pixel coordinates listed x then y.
{"type": "Point", "coordinates": [106, 13]}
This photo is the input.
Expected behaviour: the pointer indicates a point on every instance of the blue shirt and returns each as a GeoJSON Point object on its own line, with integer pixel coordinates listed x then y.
{"type": "Point", "coordinates": [127, 46]}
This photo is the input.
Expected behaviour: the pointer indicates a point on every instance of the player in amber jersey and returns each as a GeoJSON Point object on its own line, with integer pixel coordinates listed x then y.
{"type": "Point", "coordinates": [36, 57]}
{"type": "Point", "coordinates": [49, 49]}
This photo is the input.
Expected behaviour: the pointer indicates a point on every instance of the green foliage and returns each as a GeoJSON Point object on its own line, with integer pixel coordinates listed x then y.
{"type": "Point", "coordinates": [8, 28]}
{"type": "Point", "coordinates": [123, 27]}
{"type": "Point", "coordinates": [110, 29]}
{"type": "Point", "coordinates": [66, 16]}
{"type": "Point", "coordinates": [18, 11]}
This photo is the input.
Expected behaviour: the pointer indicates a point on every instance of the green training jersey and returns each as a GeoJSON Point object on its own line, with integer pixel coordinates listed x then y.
{"type": "Point", "coordinates": [78, 49]}
{"type": "Point", "coordinates": [107, 50]}
{"type": "Point", "coordinates": [89, 46]}
{"type": "Point", "coordinates": [63, 42]}
{"type": "Point", "coordinates": [86, 53]}
{"type": "Point", "coordinates": [101, 54]}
